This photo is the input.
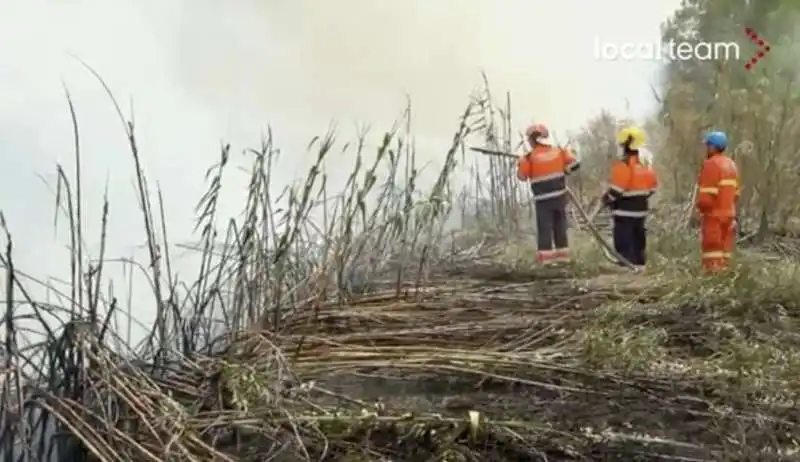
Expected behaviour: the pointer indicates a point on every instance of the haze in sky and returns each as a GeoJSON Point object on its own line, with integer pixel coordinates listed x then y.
{"type": "Point", "coordinates": [198, 73]}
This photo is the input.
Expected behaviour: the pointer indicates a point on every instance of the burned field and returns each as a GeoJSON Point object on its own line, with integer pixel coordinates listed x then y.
{"type": "Point", "coordinates": [370, 332]}
{"type": "Point", "coordinates": [475, 367]}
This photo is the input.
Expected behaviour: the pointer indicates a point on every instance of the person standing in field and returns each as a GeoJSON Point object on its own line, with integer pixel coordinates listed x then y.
{"type": "Point", "coordinates": [717, 197]}
{"type": "Point", "coordinates": [630, 186]}
{"type": "Point", "coordinates": [546, 167]}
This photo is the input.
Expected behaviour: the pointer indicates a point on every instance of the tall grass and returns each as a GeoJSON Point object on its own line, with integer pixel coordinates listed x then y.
{"type": "Point", "coordinates": [256, 273]}
{"type": "Point", "coordinates": [280, 293]}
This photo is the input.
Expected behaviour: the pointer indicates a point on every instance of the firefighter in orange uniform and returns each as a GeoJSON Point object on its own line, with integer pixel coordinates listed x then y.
{"type": "Point", "coordinates": [629, 190]}
{"type": "Point", "coordinates": [546, 167]}
{"type": "Point", "coordinates": [717, 194]}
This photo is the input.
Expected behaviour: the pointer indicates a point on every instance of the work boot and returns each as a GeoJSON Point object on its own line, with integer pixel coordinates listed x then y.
{"type": "Point", "coordinates": [561, 255]}
{"type": "Point", "coordinates": [544, 257]}
{"type": "Point", "coordinates": [714, 266]}
{"type": "Point", "coordinates": [714, 270]}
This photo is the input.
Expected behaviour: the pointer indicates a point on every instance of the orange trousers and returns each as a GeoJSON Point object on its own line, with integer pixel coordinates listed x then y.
{"type": "Point", "coordinates": [717, 240]}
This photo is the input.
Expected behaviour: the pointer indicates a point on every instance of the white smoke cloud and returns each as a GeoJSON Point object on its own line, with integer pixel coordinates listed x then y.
{"type": "Point", "coordinates": [201, 71]}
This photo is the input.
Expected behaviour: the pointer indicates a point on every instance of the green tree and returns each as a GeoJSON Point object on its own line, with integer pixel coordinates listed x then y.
{"type": "Point", "coordinates": [759, 109]}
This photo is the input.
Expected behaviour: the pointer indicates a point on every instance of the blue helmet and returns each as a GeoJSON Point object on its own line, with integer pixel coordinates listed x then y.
{"type": "Point", "coordinates": [717, 140]}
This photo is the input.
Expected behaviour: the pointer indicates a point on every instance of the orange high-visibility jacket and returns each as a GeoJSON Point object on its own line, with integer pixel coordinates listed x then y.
{"type": "Point", "coordinates": [718, 187]}
{"type": "Point", "coordinates": [630, 187]}
{"type": "Point", "coordinates": [546, 168]}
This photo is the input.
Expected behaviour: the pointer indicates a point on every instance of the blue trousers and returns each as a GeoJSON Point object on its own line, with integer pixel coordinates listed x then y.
{"type": "Point", "coordinates": [630, 239]}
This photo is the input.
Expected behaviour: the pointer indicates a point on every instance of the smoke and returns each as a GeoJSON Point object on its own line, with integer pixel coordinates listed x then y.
{"type": "Point", "coordinates": [313, 61]}
{"type": "Point", "coordinates": [197, 72]}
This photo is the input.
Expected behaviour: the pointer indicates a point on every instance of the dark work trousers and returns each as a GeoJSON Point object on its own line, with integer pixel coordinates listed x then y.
{"type": "Point", "coordinates": [551, 224]}
{"type": "Point", "coordinates": [630, 239]}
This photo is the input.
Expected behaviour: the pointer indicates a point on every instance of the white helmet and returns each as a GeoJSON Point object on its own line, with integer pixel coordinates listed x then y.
{"type": "Point", "coordinates": [646, 157]}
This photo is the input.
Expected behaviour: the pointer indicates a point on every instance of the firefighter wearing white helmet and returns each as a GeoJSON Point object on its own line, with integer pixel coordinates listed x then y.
{"type": "Point", "coordinates": [630, 186]}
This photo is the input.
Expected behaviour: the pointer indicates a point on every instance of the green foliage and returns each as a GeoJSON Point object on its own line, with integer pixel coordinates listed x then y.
{"type": "Point", "coordinates": [759, 109]}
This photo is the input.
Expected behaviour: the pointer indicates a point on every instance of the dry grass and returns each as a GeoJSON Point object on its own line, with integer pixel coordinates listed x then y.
{"type": "Point", "coordinates": [375, 333]}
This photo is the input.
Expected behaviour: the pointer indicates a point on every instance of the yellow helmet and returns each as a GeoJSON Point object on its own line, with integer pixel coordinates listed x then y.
{"type": "Point", "coordinates": [634, 137]}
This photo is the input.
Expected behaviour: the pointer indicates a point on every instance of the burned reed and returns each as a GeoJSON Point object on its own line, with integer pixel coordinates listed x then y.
{"type": "Point", "coordinates": [361, 325]}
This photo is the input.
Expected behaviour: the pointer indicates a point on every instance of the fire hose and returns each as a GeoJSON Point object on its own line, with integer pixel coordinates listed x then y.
{"type": "Point", "coordinates": [608, 250]}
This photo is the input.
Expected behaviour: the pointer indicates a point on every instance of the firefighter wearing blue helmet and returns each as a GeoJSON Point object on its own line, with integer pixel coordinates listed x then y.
{"type": "Point", "coordinates": [717, 195]}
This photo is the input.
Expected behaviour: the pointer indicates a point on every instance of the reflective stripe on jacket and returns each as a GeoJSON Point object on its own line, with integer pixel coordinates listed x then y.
{"type": "Point", "coordinates": [718, 187]}
{"type": "Point", "coordinates": [630, 187]}
{"type": "Point", "coordinates": [546, 168]}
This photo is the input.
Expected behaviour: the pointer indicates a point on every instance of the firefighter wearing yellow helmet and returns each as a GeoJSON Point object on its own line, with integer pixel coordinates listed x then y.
{"type": "Point", "coordinates": [630, 186]}
{"type": "Point", "coordinates": [631, 138]}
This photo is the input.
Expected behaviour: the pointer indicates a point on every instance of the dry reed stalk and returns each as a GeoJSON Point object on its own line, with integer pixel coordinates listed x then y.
{"type": "Point", "coordinates": [314, 289]}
